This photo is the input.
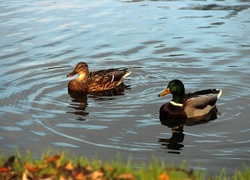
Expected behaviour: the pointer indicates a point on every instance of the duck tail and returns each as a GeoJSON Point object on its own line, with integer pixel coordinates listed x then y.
{"type": "Point", "coordinates": [219, 94]}
{"type": "Point", "coordinates": [126, 73]}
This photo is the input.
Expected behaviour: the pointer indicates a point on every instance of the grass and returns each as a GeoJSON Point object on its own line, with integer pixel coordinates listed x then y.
{"type": "Point", "coordinates": [63, 166]}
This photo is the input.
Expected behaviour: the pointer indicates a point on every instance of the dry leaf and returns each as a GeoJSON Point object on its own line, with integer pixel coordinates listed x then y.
{"type": "Point", "coordinates": [25, 177]}
{"type": "Point", "coordinates": [163, 176]}
{"type": "Point", "coordinates": [89, 168]}
{"type": "Point", "coordinates": [53, 158]}
{"type": "Point", "coordinates": [4, 169]}
{"type": "Point", "coordinates": [62, 178]}
{"type": "Point", "coordinates": [80, 176]}
{"type": "Point", "coordinates": [69, 166]}
{"type": "Point", "coordinates": [42, 166]}
{"type": "Point", "coordinates": [109, 168]}
{"type": "Point", "coordinates": [31, 168]}
{"type": "Point", "coordinates": [96, 174]}
{"type": "Point", "coordinates": [128, 176]}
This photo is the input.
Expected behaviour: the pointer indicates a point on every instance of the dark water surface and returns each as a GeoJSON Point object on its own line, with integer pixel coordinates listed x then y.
{"type": "Point", "coordinates": [206, 44]}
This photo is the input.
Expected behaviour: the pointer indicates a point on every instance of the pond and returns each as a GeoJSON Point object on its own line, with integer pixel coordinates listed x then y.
{"type": "Point", "coordinates": [206, 44]}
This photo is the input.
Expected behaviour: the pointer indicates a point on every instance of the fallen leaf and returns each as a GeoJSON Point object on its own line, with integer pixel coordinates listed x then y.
{"type": "Point", "coordinates": [109, 168]}
{"type": "Point", "coordinates": [42, 166]}
{"type": "Point", "coordinates": [24, 176]}
{"type": "Point", "coordinates": [62, 178]}
{"type": "Point", "coordinates": [96, 174]}
{"type": "Point", "coordinates": [163, 176]}
{"type": "Point", "coordinates": [69, 166]}
{"type": "Point", "coordinates": [3, 169]}
{"type": "Point", "coordinates": [80, 176]}
{"type": "Point", "coordinates": [53, 158]}
{"type": "Point", "coordinates": [128, 176]}
{"type": "Point", "coordinates": [31, 168]}
{"type": "Point", "coordinates": [89, 168]}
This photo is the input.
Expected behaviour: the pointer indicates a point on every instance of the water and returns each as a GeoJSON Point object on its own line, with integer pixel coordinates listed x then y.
{"type": "Point", "coordinates": [206, 44]}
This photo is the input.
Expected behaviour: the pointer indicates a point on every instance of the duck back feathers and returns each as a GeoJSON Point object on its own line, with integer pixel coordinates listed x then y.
{"type": "Point", "coordinates": [96, 81]}
{"type": "Point", "coordinates": [201, 102]}
{"type": "Point", "coordinates": [106, 79]}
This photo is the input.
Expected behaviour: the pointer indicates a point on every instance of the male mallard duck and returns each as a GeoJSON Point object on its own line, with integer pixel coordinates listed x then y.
{"type": "Point", "coordinates": [95, 81]}
{"type": "Point", "coordinates": [188, 108]}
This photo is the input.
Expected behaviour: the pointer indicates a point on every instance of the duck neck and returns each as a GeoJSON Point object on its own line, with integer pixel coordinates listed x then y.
{"type": "Point", "coordinates": [82, 77]}
{"type": "Point", "coordinates": [178, 99]}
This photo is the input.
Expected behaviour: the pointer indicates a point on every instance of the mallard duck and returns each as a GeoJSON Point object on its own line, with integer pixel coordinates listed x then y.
{"type": "Point", "coordinates": [95, 81]}
{"type": "Point", "coordinates": [188, 108]}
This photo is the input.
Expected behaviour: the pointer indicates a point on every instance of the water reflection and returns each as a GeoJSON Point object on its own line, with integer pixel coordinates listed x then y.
{"type": "Point", "coordinates": [175, 143]}
{"type": "Point", "coordinates": [79, 99]}
{"type": "Point", "coordinates": [79, 104]}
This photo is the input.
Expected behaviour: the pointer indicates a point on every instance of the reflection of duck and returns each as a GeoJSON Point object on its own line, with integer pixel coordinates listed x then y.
{"type": "Point", "coordinates": [175, 142]}
{"type": "Point", "coordinates": [95, 81]}
{"type": "Point", "coordinates": [189, 109]}
{"type": "Point", "coordinates": [109, 94]}
{"type": "Point", "coordinates": [79, 99]}
{"type": "Point", "coordinates": [79, 103]}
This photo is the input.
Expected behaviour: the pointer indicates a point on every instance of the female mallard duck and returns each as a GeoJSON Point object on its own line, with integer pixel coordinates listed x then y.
{"type": "Point", "coordinates": [95, 81]}
{"type": "Point", "coordinates": [188, 108]}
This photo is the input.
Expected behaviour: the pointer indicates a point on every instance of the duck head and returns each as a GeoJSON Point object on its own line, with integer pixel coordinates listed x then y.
{"type": "Point", "coordinates": [176, 88]}
{"type": "Point", "coordinates": [82, 69]}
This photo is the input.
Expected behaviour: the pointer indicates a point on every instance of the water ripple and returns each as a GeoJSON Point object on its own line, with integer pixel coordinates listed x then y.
{"type": "Point", "coordinates": [205, 45]}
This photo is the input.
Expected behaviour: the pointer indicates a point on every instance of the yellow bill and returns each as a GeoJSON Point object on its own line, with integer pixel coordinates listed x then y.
{"type": "Point", "coordinates": [165, 92]}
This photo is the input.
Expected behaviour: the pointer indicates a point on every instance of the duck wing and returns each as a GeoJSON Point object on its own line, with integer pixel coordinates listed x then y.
{"type": "Point", "coordinates": [201, 103]}
{"type": "Point", "coordinates": [106, 79]}
{"type": "Point", "coordinates": [108, 75]}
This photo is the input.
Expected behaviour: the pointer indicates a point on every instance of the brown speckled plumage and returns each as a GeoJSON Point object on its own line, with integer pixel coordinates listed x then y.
{"type": "Point", "coordinates": [95, 81]}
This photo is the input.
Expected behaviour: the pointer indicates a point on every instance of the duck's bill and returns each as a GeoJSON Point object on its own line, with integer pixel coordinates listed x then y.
{"type": "Point", "coordinates": [71, 74]}
{"type": "Point", "coordinates": [165, 92]}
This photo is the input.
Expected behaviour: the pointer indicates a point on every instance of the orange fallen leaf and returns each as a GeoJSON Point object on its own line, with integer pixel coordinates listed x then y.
{"type": "Point", "coordinates": [109, 168]}
{"type": "Point", "coordinates": [25, 176]}
{"type": "Point", "coordinates": [163, 176]}
{"type": "Point", "coordinates": [96, 174]}
{"type": "Point", "coordinates": [53, 158]}
{"type": "Point", "coordinates": [31, 168]}
{"type": "Point", "coordinates": [69, 166]}
{"type": "Point", "coordinates": [128, 176]}
{"type": "Point", "coordinates": [80, 176]}
{"type": "Point", "coordinates": [62, 178]}
{"type": "Point", "coordinates": [42, 166]}
{"type": "Point", "coordinates": [89, 168]}
{"type": "Point", "coordinates": [4, 169]}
